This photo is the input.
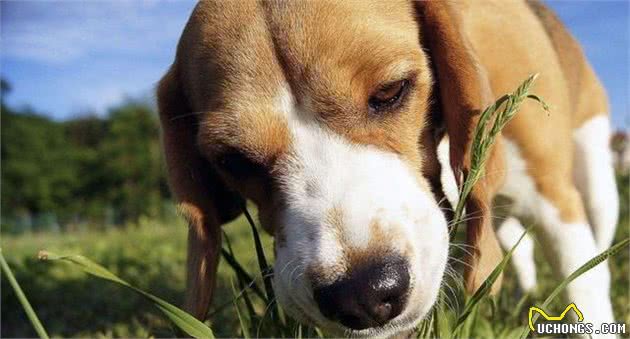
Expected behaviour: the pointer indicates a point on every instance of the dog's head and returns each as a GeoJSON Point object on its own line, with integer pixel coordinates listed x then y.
{"type": "Point", "coordinates": [321, 113]}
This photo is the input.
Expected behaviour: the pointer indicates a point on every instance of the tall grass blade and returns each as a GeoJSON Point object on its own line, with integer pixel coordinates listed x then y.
{"type": "Point", "coordinates": [184, 321]}
{"type": "Point", "coordinates": [519, 306]}
{"type": "Point", "coordinates": [583, 269]}
{"type": "Point", "coordinates": [484, 136]}
{"type": "Point", "coordinates": [242, 274]}
{"type": "Point", "coordinates": [265, 270]}
{"type": "Point", "coordinates": [244, 286]}
{"type": "Point", "coordinates": [37, 325]}
{"type": "Point", "coordinates": [241, 320]}
{"type": "Point", "coordinates": [424, 328]}
{"type": "Point", "coordinates": [444, 324]}
{"type": "Point", "coordinates": [486, 287]}
{"type": "Point", "coordinates": [319, 332]}
{"type": "Point", "coordinates": [242, 283]}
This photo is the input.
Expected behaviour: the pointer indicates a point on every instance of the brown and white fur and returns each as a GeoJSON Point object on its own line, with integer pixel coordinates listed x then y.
{"type": "Point", "coordinates": [269, 101]}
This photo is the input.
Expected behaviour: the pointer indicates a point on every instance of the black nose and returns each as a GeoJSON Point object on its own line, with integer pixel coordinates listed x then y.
{"type": "Point", "coordinates": [370, 296]}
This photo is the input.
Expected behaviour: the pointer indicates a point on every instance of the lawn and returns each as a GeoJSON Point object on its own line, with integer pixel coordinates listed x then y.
{"type": "Point", "coordinates": [151, 255]}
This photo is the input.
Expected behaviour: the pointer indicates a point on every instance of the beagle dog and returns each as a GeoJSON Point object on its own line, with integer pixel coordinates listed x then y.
{"type": "Point", "coordinates": [333, 116]}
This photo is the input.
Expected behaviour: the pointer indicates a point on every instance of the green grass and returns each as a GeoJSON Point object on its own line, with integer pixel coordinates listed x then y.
{"type": "Point", "coordinates": [184, 321]}
{"type": "Point", "coordinates": [152, 257]}
{"type": "Point", "coordinates": [26, 306]}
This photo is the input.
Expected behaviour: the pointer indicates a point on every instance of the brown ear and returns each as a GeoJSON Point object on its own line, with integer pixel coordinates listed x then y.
{"type": "Point", "coordinates": [464, 91]}
{"type": "Point", "coordinates": [202, 198]}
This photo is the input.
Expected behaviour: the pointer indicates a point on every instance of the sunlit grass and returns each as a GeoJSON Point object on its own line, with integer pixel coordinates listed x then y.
{"type": "Point", "coordinates": [152, 257]}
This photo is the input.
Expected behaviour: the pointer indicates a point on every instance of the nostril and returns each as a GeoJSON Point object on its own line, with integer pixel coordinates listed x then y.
{"type": "Point", "coordinates": [382, 312]}
{"type": "Point", "coordinates": [353, 321]}
{"type": "Point", "coordinates": [370, 296]}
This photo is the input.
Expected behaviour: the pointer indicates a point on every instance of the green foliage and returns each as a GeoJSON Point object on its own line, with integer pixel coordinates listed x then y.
{"type": "Point", "coordinates": [86, 170]}
{"type": "Point", "coordinates": [131, 162]}
{"type": "Point", "coordinates": [151, 256]}
{"type": "Point", "coordinates": [491, 121]}
{"type": "Point", "coordinates": [26, 306]}
{"type": "Point", "coordinates": [184, 321]}
{"type": "Point", "coordinates": [484, 289]}
{"type": "Point", "coordinates": [581, 270]}
{"type": "Point", "coordinates": [148, 255]}
{"type": "Point", "coordinates": [39, 169]}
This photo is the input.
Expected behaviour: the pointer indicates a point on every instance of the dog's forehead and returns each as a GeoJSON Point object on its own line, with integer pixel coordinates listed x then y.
{"type": "Point", "coordinates": [244, 58]}
{"type": "Point", "coordinates": [312, 28]}
{"type": "Point", "coordinates": [270, 41]}
{"type": "Point", "coordinates": [331, 37]}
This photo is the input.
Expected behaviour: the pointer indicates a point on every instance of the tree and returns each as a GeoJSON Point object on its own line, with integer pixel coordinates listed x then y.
{"type": "Point", "coordinates": [133, 162]}
{"type": "Point", "coordinates": [38, 164]}
{"type": "Point", "coordinates": [82, 168]}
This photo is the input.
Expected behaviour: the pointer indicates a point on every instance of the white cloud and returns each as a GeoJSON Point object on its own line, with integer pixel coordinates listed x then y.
{"type": "Point", "coordinates": [62, 32]}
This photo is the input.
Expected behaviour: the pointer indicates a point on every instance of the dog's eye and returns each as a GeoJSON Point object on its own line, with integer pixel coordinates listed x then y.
{"type": "Point", "coordinates": [389, 95]}
{"type": "Point", "coordinates": [237, 164]}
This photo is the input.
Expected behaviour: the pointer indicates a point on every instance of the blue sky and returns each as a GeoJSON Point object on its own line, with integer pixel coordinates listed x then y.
{"type": "Point", "coordinates": [65, 58]}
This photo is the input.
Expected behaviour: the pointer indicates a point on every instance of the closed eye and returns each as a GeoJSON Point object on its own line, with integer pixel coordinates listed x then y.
{"type": "Point", "coordinates": [389, 96]}
{"type": "Point", "coordinates": [238, 165]}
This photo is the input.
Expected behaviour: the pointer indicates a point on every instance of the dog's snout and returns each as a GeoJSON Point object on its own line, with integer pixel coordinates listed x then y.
{"type": "Point", "coordinates": [370, 296]}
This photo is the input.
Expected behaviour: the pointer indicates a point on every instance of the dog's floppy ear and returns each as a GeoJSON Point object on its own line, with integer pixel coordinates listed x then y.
{"type": "Point", "coordinates": [201, 197]}
{"type": "Point", "coordinates": [464, 91]}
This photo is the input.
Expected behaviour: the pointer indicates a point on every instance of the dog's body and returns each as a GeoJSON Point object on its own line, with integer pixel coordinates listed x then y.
{"type": "Point", "coordinates": [328, 115]}
{"type": "Point", "coordinates": [558, 167]}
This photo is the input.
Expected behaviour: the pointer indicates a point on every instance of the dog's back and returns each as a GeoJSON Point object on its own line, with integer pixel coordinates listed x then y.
{"type": "Point", "coordinates": [591, 132]}
{"type": "Point", "coordinates": [588, 97]}
{"type": "Point", "coordinates": [558, 165]}
{"type": "Point", "coordinates": [569, 146]}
